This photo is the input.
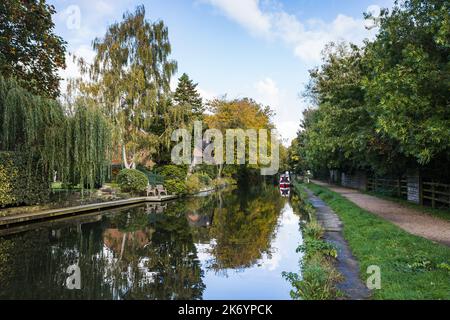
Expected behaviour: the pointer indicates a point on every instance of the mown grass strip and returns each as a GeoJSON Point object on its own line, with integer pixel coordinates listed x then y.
{"type": "Point", "coordinates": [411, 267]}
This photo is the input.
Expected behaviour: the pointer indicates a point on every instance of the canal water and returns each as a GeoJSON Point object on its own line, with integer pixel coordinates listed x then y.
{"type": "Point", "coordinates": [227, 245]}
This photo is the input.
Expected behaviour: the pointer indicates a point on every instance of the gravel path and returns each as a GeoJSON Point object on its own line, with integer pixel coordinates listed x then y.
{"type": "Point", "coordinates": [414, 221]}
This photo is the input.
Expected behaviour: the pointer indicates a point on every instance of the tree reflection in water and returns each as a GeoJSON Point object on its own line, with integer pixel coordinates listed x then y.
{"type": "Point", "coordinates": [145, 252]}
{"type": "Point", "coordinates": [243, 229]}
{"type": "Point", "coordinates": [130, 255]}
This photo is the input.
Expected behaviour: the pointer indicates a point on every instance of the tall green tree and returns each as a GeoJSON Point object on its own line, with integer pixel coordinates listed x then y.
{"type": "Point", "coordinates": [384, 107]}
{"type": "Point", "coordinates": [29, 49]}
{"type": "Point", "coordinates": [130, 80]}
{"type": "Point", "coordinates": [187, 94]}
{"type": "Point", "coordinates": [408, 88]}
{"type": "Point", "coordinates": [340, 132]}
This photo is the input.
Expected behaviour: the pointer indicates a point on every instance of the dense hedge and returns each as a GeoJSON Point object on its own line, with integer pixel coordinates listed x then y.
{"type": "Point", "coordinates": [133, 181]}
{"type": "Point", "coordinates": [21, 183]}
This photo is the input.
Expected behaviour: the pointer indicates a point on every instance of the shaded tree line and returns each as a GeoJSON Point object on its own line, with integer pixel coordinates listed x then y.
{"type": "Point", "coordinates": [383, 107]}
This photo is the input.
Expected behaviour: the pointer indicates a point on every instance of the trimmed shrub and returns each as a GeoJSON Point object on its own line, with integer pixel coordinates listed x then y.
{"type": "Point", "coordinates": [20, 183]}
{"type": "Point", "coordinates": [130, 180]}
{"type": "Point", "coordinates": [193, 184]}
{"type": "Point", "coordinates": [175, 186]}
{"type": "Point", "coordinates": [172, 172]}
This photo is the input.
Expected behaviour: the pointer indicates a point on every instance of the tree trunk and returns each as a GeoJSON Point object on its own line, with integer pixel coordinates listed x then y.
{"type": "Point", "coordinates": [128, 165]}
{"type": "Point", "coordinates": [124, 157]}
{"type": "Point", "coordinates": [219, 175]}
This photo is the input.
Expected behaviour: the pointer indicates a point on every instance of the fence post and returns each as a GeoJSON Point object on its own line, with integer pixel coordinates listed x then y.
{"type": "Point", "coordinates": [433, 201]}
{"type": "Point", "coordinates": [420, 189]}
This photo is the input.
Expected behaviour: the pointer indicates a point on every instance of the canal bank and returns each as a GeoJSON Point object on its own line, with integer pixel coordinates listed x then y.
{"type": "Point", "coordinates": [16, 219]}
{"type": "Point", "coordinates": [328, 271]}
{"type": "Point", "coordinates": [411, 267]}
{"type": "Point", "coordinates": [19, 218]}
{"type": "Point", "coordinates": [351, 285]}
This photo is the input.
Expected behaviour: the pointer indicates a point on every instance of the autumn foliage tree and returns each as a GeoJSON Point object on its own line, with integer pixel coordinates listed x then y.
{"type": "Point", "coordinates": [238, 114]}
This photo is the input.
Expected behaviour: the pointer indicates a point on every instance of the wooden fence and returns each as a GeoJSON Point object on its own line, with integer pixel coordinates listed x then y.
{"type": "Point", "coordinates": [435, 194]}
{"type": "Point", "coordinates": [394, 187]}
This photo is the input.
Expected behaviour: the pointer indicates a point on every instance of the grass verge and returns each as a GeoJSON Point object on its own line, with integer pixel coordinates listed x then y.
{"type": "Point", "coordinates": [319, 276]}
{"type": "Point", "coordinates": [411, 267]}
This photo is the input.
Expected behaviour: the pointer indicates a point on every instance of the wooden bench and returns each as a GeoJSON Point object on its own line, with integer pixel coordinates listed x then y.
{"type": "Point", "coordinates": [151, 191]}
{"type": "Point", "coordinates": [161, 191]}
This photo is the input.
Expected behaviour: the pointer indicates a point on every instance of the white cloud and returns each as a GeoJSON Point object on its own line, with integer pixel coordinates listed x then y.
{"type": "Point", "coordinates": [206, 94]}
{"type": "Point", "coordinates": [288, 130]}
{"type": "Point", "coordinates": [173, 83]}
{"type": "Point", "coordinates": [104, 7]}
{"type": "Point", "coordinates": [286, 107]}
{"type": "Point", "coordinates": [307, 38]}
{"type": "Point", "coordinates": [268, 92]}
{"type": "Point", "coordinates": [245, 12]}
{"type": "Point", "coordinates": [309, 41]}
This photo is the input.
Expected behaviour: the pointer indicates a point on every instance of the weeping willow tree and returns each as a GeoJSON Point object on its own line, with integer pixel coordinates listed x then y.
{"type": "Point", "coordinates": [31, 125]}
{"type": "Point", "coordinates": [89, 135]}
{"type": "Point", "coordinates": [77, 147]}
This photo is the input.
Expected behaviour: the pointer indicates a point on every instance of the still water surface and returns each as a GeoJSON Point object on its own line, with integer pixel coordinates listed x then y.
{"type": "Point", "coordinates": [228, 245]}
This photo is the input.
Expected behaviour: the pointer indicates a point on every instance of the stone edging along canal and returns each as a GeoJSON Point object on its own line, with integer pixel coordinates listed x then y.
{"type": "Point", "coordinates": [347, 265]}
{"type": "Point", "coordinates": [70, 211]}
{"type": "Point", "coordinates": [25, 218]}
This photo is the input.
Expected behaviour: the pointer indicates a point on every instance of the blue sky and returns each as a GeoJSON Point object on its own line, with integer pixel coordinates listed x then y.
{"type": "Point", "coordinates": [261, 49]}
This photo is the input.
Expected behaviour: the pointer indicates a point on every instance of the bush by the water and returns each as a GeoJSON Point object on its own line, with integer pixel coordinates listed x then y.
{"type": "Point", "coordinates": [172, 172]}
{"type": "Point", "coordinates": [18, 184]}
{"type": "Point", "coordinates": [318, 280]}
{"type": "Point", "coordinates": [131, 180]}
{"type": "Point", "coordinates": [174, 186]}
{"type": "Point", "coordinates": [176, 180]}
{"type": "Point", "coordinates": [197, 182]}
